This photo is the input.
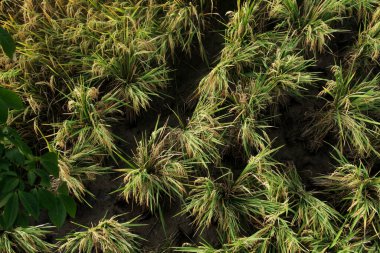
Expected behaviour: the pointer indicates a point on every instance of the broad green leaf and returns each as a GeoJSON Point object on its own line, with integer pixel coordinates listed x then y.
{"type": "Point", "coordinates": [14, 155]}
{"type": "Point", "coordinates": [31, 177]}
{"type": "Point", "coordinates": [30, 203]}
{"type": "Point", "coordinates": [22, 220]}
{"type": "Point", "coordinates": [11, 210]}
{"type": "Point", "coordinates": [9, 184]}
{"type": "Point", "coordinates": [4, 200]}
{"type": "Point", "coordinates": [46, 198]}
{"type": "Point", "coordinates": [10, 173]}
{"type": "Point", "coordinates": [16, 139]}
{"type": "Point", "coordinates": [57, 213]}
{"type": "Point", "coordinates": [11, 99]}
{"type": "Point", "coordinates": [4, 164]}
{"type": "Point", "coordinates": [63, 189]}
{"type": "Point", "coordinates": [50, 163]}
{"type": "Point", "coordinates": [7, 42]}
{"type": "Point", "coordinates": [70, 205]}
{"type": "Point", "coordinates": [3, 112]}
{"type": "Point", "coordinates": [45, 179]}
{"type": "Point", "coordinates": [31, 165]}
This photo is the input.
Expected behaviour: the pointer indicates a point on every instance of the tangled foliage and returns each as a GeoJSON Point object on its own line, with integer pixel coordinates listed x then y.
{"type": "Point", "coordinates": [85, 71]}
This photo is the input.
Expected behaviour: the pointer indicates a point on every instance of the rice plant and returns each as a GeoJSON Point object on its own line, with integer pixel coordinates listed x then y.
{"type": "Point", "coordinates": [134, 80]}
{"type": "Point", "coordinates": [264, 71]}
{"type": "Point", "coordinates": [275, 232]}
{"type": "Point", "coordinates": [252, 55]}
{"type": "Point", "coordinates": [367, 47]}
{"type": "Point", "coordinates": [242, 48]}
{"type": "Point", "coordinates": [283, 198]}
{"type": "Point", "coordinates": [26, 240]}
{"type": "Point", "coordinates": [350, 242]}
{"type": "Point", "coordinates": [248, 104]}
{"type": "Point", "coordinates": [155, 172]}
{"type": "Point", "coordinates": [357, 192]}
{"type": "Point", "coordinates": [279, 236]}
{"type": "Point", "coordinates": [225, 200]}
{"type": "Point", "coordinates": [274, 237]}
{"type": "Point", "coordinates": [287, 70]}
{"type": "Point", "coordinates": [233, 58]}
{"type": "Point", "coordinates": [348, 111]}
{"type": "Point", "coordinates": [108, 235]}
{"type": "Point", "coordinates": [361, 9]}
{"type": "Point", "coordinates": [91, 112]}
{"type": "Point", "coordinates": [79, 164]}
{"type": "Point", "coordinates": [249, 17]}
{"type": "Point", "coordinates": [200, 138]}
{"type": "Point", "coordinates": [310, 213]}
{"type": "Point", "coordinates": [219, 201]}
{"type": "Point", "coordinates": [204, 248]}
{"type": "Point", "coordinates": [311, 20]}
{"type": "Point", "coordinates": [307, 213]}
{"type": "Point", "coordinates": [282, 70]}
{"type": "Point", "coordinates": [183, 22]}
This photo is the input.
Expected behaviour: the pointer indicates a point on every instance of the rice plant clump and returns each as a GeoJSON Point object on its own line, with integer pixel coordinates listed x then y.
{"type": "Point", "coordinates": [200, 138]}
{"type": "Point", "coordinates": [358, 193]}
{"type": "Point", "coordinates": [108, 235]}
{"type": "Point", "coordinates": [26, 240]}
{"type": "Point", "coordinates": [366, 51]}
{"type": "Point", "coordinates": [226, 200]}
{"type": "Point", "coordinates": [312, 20]}
{"type": "Point", "coordinates": [156, 172]}
{"type": "Point", "coordinates": [350, 104]}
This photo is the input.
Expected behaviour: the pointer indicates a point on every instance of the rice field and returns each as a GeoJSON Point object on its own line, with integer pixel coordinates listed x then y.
{"type": "Point", "coordinates": [204, 126]}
